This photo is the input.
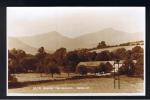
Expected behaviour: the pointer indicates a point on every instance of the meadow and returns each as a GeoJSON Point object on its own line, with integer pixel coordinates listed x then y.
{"type": "Point", "coordinates": [86, 85]}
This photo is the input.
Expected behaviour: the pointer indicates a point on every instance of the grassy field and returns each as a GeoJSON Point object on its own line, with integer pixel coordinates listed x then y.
{"type": "Point", "coordinates": [114, 48]}
{"type": "Point", "coordinates": [23, 77]}
{"type": "Point", "coordinates": [87, 85]}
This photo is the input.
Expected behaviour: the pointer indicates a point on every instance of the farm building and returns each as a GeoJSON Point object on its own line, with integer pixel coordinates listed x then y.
{"type": "Point", "coordinates": [92, 66]}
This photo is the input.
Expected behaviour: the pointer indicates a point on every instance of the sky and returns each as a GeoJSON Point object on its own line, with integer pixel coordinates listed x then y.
{"type": "Point", "coordinates": [73, 21]}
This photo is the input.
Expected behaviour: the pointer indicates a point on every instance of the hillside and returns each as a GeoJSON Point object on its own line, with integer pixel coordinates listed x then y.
{"type": "Point", "coordinates": [15, 43]}
{"type": "Point", "coordinates": [54, 40]}
{"type": "Point", "coordinates": [111, 36]}
{"type": "Point", "coordinates": [50, 41]}
{"type": "Point", "coordinates": [114, 48]}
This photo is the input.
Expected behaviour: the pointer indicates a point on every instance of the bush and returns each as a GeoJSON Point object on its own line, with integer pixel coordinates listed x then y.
{"type": "Point", "coordinates": [12, 78]}
{"type": "Point", "coordinates": [101, 68]}
{"type": "Point", "coordinates": [52, 68]}
{"type": "Point", "coordinates": [82, 70]}
{"type": "Point", "coordinates": [139, 67]}
{"type": "Point", "coordinates": [128, 68]}
{"type": "Point", "coordinates": [108, 67]}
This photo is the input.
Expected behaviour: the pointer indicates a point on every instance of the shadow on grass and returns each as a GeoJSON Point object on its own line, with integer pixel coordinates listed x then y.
{"type": "Point", "coordinates": [24, 84]}
{"type": "Point", "coordinates": [16, 85]}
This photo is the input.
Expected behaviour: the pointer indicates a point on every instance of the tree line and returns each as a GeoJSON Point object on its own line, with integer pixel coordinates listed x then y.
{"type": "Point", "coordinates": [62, 61]}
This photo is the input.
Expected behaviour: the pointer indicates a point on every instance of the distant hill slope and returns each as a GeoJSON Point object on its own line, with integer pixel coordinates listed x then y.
{"type": "Point", "coordinates": [54, 40]}
{"type": "Point", "coordinates": [111, 36]}
{"type": "Point", "coordinates": [115, 48]}
{"type": "Point", "coordinates": [50, 41]}
{"type": "Point", "coordinates": [15, 43]}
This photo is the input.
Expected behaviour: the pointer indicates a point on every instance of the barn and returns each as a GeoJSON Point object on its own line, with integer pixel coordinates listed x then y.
{"type": "Point", "coordinates": [92, 66]}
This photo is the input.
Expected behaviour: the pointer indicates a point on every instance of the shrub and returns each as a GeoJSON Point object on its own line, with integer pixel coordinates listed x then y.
{"type": "Point", "coordinates": [82, 70]}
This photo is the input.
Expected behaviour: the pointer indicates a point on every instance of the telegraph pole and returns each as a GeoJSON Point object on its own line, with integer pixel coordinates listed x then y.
{"type": "Point", "coordinates": [116, 77]}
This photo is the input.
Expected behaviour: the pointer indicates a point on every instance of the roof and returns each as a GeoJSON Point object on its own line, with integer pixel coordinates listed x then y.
{"type": "Point", "coordinates": [122, 61]}
{"type": "Point", "coordinates": [94, 63]}
{"type": "Point", "coordinates": [97, 63]}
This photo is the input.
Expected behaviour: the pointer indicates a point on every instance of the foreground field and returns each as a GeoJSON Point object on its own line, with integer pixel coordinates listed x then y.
{"type": "Point", "coordinates": [87, 85]}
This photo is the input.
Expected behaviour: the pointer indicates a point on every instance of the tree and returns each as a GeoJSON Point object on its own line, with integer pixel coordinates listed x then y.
{"type": "Point", "coordinates": [41, 50]}
{"type": "Point", "coordinates": [12, 78]}
{"type": "Point", "coordinates": [120, 53]}
{"type": "Point", "coordinates": [137, 52]}
{"type": "Point", "coordinates": [52, 68]}
{"type": "Point", "coordinates": [91, 56]}
{"type": "Point", "coordinates": [137, 49]}
{"type": "Point", "coordinates": [29, 63]}
{"type": "Point", "coordinates": [101, 68]}
{"type": "Point", "coordinates": [67, 69]}
{"type": "Point", "coordinates": [103, 56]}
{"type": "Point", "coordinates": [139, 67]}
{"type": "Point", "coordinates": [15, 57]}
{"type": "Point", "coordinates": [125, 44]}
{"type": "Point", "coordinates": [128, 54]}
{"type": "Point", "coordinates": [83, 56]}
{"type": "Point", "coordinates": [102, 45]}
{"type": "Point", "coordinates": [59, 56]}
{"type": "Point", "coordinates": [41, 53]}
{"type": "Point", "coordinates": [72, 59]}
{"type": "Point", "coordinates": [123, 70]}
{"type": "Point", "coordinates": [40, 56]}
{"type": "Point", "coordinates": [108, 67]}
{"type": "Point", "coordinates": [128, 67]}
{"type": "Point", "coordinates": [12, 66]}
{"type": "Point", "coordinates": [82, 70]}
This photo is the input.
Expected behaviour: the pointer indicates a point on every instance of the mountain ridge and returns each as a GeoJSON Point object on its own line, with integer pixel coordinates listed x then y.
{"type": "Point", "coordinates": [15, 43]}
{"type": "Point", "coordinates": [54, 40]}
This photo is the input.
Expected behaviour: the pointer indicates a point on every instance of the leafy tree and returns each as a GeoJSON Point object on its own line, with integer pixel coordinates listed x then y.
{"type": "Point", "coordinates": [101, 68]}
{"type": "Point", "coordinates": [12, 78]}
{"type": "Point", "coordinates": [137, 49]}
{"type": "Point", "coordinates": [125, 44]}
{"type": "Point", "coordinates": [108, 67]}
{"type": "Point", "coordinates": [82, 70]}
{"type": "Point", "coordinates": [120, 53]}
{"type": "Point", "coordinates": [139, 67]}
{"type": "Point", "coordinates": [102, 44]}
{"type": "Point", "coordinates": [12, 66]}
{"type": "Point", "coordinates": [103, 56]}
{"type": "Point", "coordinates": [59, 56]}
{"type": "Point", "coordinates": [68, 70]}
{"type": "Point", "coordinates": [72, 59]}
{"type": "Point", "coordinates": [91, 56]}
{"type": "Point", "coordinates": [41, 50]}
{"type": "Point", "coordinates": [137, 52]}
{"type": "Point", "coordinates": [29, 63]}
{"type": "Point", "coordinates": [82, 56]}
{"type": "Point", "coordinates": [128, 54]}
{"type": "Point", "coordinates": [123, 70]}
{"type": "Point", "coordinates": [40, 56]}
{"type": "Point", "coordinates": [52, 68]}
{"type": "Point", "coordinates": [15, 57]}
{"type": "Point", "coordinates": [128, 67]}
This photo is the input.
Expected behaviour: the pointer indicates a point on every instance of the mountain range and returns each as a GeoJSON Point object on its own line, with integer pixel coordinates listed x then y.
{"type": "Point", "coordinates": [54, 40]}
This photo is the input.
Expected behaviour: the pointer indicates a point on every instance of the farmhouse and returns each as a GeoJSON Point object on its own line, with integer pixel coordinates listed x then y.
{"type": "Point", "coordinates": [92, 66]}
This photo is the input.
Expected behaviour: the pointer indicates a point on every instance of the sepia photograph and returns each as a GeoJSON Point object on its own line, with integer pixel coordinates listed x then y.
{"type": "Point", "coordinates": [76, 51]}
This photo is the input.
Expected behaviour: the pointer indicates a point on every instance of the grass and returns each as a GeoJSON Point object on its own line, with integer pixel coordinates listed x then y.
{"type": "Point", "coordinates": [115, 48]}
{"type": "Point", "coordinates": [86, 85]}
